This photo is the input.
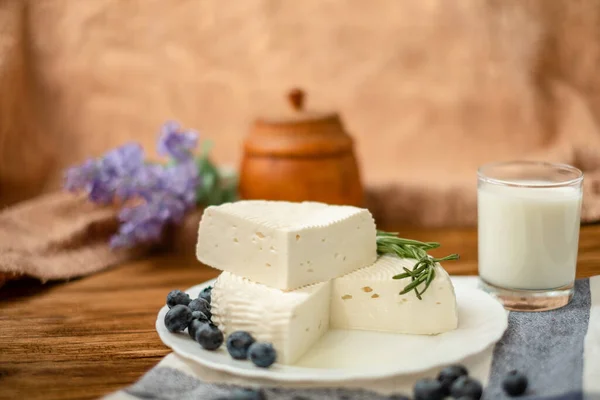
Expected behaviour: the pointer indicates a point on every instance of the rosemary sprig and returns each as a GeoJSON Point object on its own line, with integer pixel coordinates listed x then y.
{"type": "Point", "coordinates": [424, 269]}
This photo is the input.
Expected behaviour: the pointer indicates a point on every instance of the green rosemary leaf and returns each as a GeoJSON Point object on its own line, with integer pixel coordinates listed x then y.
{"type": "Point", "coordinates": [424, 269]}
{"type": "Point", "coordinates": [393, 237]}
{"type": "Point", "coordinates": [381, 234]}
{"type": "Point", "coordinates": [430, 277]}
{"type": "Point", "coordinates": [414, 284]}
{"type": "Point", "coordinates": [419, 269]}
{"type": "Point", "coordinates": [447, 258]}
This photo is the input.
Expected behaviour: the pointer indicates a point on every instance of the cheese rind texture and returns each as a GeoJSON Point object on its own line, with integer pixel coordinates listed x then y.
{"type": "Point", "coordinates": [369, 299]}
{"type": "Point", "coordinates": [286, 245]}
{"type": "Point", "coordinates": [292, 321]}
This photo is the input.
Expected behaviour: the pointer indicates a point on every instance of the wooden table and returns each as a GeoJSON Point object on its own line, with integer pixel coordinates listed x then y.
{"type": "Point", "coordinates": [89, 337]}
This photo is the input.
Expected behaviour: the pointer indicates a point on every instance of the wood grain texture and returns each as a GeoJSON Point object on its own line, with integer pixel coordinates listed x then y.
{"type": "Point", "coordinates": [89, 337]}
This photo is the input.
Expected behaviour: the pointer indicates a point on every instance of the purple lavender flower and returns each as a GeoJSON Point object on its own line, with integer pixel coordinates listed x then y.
{"type": "Point", "coordinates": [78, 177]}
{"type": "Point", "coordinates": [100, 178]}
{"type": "Point", "coordinates": [160, 194]}
{"type": "Point", "coordinates": [101, 191]}
{"type": "Point", "coordinates": [147, 180]}
{"type": "Point", "coordinates": [183, 180]}
{"type": "Point", "coordinates": [175, 143]}
{"type": "Point", "coordinates": [168, 193]}
{"type": "Point", "coordinates": [133, 233]}
{"type": "Point", "coordinates": [124, 160]}
{"type": "Point", "coordinates": [145, 222]}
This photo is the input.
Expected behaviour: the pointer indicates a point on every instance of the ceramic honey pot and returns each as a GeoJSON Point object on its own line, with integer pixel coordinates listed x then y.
{"type": "Point", "coordinates": [305, 156]}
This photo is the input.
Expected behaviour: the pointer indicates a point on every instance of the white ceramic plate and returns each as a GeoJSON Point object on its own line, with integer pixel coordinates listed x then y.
{"type": "Point", "coordinates": [347, 355]}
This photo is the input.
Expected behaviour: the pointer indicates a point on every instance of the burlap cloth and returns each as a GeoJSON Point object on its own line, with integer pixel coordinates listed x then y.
{"type": "Point", "coordinates": [62, 236]}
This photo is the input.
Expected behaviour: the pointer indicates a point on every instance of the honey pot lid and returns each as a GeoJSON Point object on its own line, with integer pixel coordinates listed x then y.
{"type": "Point", "coordinates": [296, 111]}
{"type": "Point", "coordinates": [299, 132]}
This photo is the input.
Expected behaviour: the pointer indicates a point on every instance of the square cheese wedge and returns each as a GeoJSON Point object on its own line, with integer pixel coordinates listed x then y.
{"type": "Point", "coordinates": [286, 245]}
{"type": "Point", "coordinates": [369, 299]}
{"type": "Point", "coordinates": [292, 321]}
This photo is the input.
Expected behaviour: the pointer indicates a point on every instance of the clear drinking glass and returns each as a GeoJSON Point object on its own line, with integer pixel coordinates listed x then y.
{"type": "Point", "coordinates": [528, 231]}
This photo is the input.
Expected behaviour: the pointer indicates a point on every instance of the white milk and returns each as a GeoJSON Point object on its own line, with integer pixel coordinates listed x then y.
{"type": "Point", "coordinates": [528, 237]}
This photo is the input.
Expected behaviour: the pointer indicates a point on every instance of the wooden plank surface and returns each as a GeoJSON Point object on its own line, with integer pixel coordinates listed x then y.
{"type": "Point", "coordinates": [86, 338]}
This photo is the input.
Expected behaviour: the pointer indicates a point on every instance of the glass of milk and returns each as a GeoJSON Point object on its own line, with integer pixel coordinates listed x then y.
{"type": "Point", "coordinates": [528, 230]}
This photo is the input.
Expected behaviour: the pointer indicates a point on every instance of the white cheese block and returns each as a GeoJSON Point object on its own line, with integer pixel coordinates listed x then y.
{"type": "Point", "coordinates": [369, 299]}
{"type": "Point", "coordinates": [291, 321]}
{"type": "Point", "coordinates": [286, 245]}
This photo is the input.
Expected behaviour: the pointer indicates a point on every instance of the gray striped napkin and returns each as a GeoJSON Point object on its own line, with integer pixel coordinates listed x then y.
{"type": "Point", "coordinates": [558, 350]}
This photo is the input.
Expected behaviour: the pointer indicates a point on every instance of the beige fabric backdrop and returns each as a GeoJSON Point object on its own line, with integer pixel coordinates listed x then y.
{"type": "Point", "coordinates": [430, 89]}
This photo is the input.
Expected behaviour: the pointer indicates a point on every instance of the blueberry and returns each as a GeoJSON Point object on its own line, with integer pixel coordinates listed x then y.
{"type": "Point", "coordinates": [193, 327]}
{"type": "Point", "coordinates": [468, 387]}
{"type": "Point", "coordinates": [262, 354]}
{"type": "Point", "coordinates": [514, 383]}
{"type": "Point", "coordinates": [199, 315]}
{"type": "Point", "coordinates": [209, 337]}
{"type": "Point", "coordinates": [428, 389]}
{"type": "Point", "coordinates": [177, 297]}
{"type": "Point", "coordinates": [201, 305]}
{"type": "Point", "coordinates": [448, 375]}
{"type": "Point", "coordinates": [238, 343]}
{"type": "Point", "coordinates": [178, 318]}
{"type": "Point", "coordinates": [205, 294]}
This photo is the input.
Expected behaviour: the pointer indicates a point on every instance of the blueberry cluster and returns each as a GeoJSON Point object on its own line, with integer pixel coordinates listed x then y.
{"type": "Point", "coordinates": [242, 346]}
{"type": "Point", "coordinates": [195, 315]}
{"type": "Point", "coordinates": [454, 381]}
